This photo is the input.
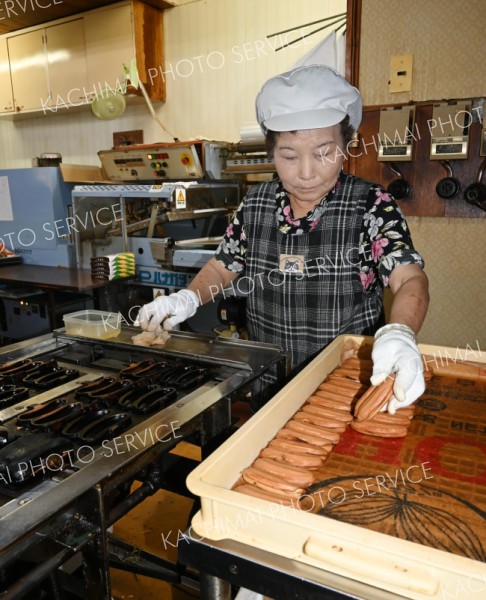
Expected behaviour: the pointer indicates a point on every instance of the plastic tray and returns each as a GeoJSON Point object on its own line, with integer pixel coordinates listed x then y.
{"type": "Point", "coordinates": [406, 568]}
{"type": "Point", "coordinates": [93, 324]}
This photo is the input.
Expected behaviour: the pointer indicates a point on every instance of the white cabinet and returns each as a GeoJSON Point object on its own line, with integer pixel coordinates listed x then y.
{"type": "Point", "coordinates": [47, 65]}
{"type": "Point", "coordinates": [110, 43]}
{"type": "Point", "coordinates": [28, 67]}
{"type": "Point", "coordinates": [6, 96]}
{"type": "Point", "coordinates": [67, 63]}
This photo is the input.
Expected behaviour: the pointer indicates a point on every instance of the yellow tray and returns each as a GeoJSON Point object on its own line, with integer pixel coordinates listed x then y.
{"type": "Point", "coordinates": [406, 568]}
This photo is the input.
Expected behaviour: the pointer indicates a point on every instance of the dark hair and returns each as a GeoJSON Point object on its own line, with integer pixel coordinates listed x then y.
{"type": "Point", "coordinates": [347, 133]}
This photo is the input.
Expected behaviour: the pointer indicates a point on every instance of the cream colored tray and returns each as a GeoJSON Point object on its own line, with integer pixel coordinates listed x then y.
{"type": "Point", "coordinates": [405, 568]}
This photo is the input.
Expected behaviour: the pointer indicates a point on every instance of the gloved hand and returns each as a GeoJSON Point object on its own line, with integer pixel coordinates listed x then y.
{"type": "Point", "coordinates": [395, 351]}
{"type": "Point", "coordinates": [168, 311]}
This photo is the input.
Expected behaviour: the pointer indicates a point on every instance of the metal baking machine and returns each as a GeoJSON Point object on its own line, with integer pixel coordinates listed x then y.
{"type": "Point", "coordinates": [167, 203]}
{"type": "Point", "coordinates": [174, 202]}
{"type": "Point", "coordinates": [81, 420]}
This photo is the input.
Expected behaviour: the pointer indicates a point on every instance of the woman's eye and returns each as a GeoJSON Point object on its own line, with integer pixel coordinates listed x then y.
{"type": "Point", "coordinates": [290, 157]}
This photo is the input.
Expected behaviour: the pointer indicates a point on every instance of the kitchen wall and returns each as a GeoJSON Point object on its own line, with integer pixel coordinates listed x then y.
{"type": "Point", "coordinates": [217, 57]}
{"type": "Point", "coordinates": [446, 38]}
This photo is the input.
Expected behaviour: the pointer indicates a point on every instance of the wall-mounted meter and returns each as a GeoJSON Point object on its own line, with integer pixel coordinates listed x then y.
{"type": "Point", "coordinates": [396, 133]}
{"type": "Point", "coordinates": [449, 130]}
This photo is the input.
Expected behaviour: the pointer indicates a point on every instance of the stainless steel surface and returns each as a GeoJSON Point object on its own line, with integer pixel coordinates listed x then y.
{"type": "Point", "coordinates": [199, 242]}
{"type": "Point", "coordinates": [114, 190]}
{"type": "Point", "coordinates": [203, 213]}
{"type": "Point", "coordinates": [248, 157]}
{"type": "Point", "coordinates": [194, 258]}
{"type": "Point", "coordinates": [133, 214]}
{"type": "Point", "coordinates": [205, 347]}
{"type": "Point", "coordinates": [213, 588]}
{"type": "Point", "coordinates": [150, 222]}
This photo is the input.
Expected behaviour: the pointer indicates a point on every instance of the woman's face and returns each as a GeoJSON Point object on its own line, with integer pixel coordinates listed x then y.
{"type": "Point", "coordinates": [309, 161]}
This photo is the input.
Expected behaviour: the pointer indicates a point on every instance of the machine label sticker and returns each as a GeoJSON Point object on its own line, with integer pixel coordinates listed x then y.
{"type": "Point", "coordinates": [180, 194]}
{"type": "Point", "coordinates": [166, 279]}
{"type": "Point", "coordinates": [290, 263]}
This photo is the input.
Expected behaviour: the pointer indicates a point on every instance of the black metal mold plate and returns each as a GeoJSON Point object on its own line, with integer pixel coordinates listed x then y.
{"type": "Point", "coordinates": [18, 427]}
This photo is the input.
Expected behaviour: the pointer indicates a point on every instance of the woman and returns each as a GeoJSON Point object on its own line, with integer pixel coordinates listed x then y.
{"type": "Point", "coordinates": [316, 245]}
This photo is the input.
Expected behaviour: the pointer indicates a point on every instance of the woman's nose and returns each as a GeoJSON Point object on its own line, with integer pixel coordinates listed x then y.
{"type": "Point", "coordinates": [306, 169]}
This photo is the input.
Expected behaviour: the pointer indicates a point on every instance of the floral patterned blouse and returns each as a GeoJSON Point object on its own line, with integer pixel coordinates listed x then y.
{"type": "Point", "coordinates": [384, 244]}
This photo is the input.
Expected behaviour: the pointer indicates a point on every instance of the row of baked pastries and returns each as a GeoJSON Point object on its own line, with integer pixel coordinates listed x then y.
{"type": "Point", "coordinates": [285, 468]}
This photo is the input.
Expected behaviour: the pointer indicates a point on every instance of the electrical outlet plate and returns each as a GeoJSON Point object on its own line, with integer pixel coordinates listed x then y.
{"type": "Point", "coordinates": [401, 74]}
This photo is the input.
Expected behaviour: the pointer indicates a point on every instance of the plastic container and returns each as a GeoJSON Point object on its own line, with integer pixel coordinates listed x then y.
{"type": "Point", "coordinates": [93, 324]}
{"type": "Point", "coordinates": [407, 569]}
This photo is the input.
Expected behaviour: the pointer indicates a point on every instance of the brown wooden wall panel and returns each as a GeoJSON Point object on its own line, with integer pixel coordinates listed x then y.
{"type": "Point", "coordinates": [421, 173]}
{"type": "Point", "coordinates": [149, 43]}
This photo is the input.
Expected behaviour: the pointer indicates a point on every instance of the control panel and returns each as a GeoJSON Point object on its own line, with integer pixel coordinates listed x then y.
{"type": "Point", "coordinates": [22, 318]}
{"type": "Point", "coordinates": [149, 162]}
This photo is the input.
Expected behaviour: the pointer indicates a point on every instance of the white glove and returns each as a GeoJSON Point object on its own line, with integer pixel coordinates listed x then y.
{"type": "Point", "coordinates": [167, 311]}
{"type": "Point", "coordinates": [395, 351]}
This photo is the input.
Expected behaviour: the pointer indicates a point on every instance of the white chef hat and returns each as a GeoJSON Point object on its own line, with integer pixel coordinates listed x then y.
{"type": "Point", "coordinates": [307, 97]}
